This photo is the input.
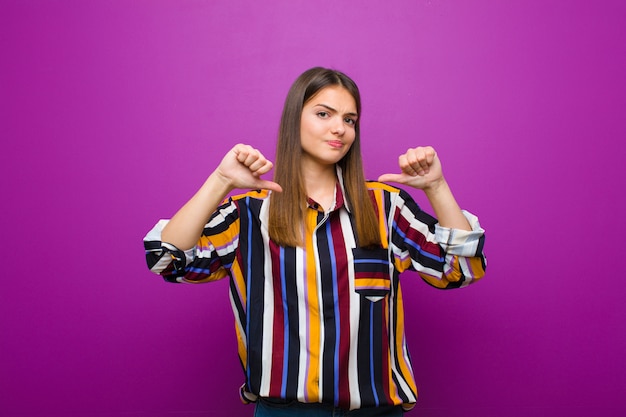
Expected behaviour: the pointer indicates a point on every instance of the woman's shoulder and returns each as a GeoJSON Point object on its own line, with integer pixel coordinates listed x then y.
{"type": "Point", "coordinates": [253, 199]}
{"type": "Point", "coordinates": [381, 186]}
{"type": "Point", "coordinates": [252, 194]}
{"type": "Point", "coordinates": [388, 191]}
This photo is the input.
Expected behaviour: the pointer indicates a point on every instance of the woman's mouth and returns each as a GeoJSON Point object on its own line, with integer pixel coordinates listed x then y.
{"type": "Point", "coordinates": [335, 143]}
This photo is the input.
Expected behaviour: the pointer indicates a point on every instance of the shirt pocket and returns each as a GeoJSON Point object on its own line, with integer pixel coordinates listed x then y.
{"type": "Point", "coordinates": [371, 273]}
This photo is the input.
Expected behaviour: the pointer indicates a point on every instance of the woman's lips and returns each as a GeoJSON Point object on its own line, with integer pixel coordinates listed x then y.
{"type": "Point", "coordinates": [335, 143]}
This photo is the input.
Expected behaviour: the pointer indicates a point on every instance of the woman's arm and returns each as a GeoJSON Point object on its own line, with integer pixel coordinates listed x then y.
{"type": "Point", "coordinates": [241, 167]}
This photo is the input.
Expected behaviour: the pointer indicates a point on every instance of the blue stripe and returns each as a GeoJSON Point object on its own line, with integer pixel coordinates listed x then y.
{"type": "Point", "coordinates": [333, 262]}
{"type": "Point", "coordinates": [205, 271]}
{"type": "Point", "coordinates": [199, 270]}
{"type": "Point", "coordinates": [372, 354]}
{"type": "Point", "coordinates": [283, 388]}
{"type": "Point", "coordinates": [248, 283]}
{"type": "Point", "coordinates": [415, 245]}
{"type": "Point", "coordinates": [371, 261]}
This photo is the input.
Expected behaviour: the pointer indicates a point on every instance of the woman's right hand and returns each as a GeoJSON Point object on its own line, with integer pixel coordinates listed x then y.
{"type": "Point", "coordinates": [243, 166]}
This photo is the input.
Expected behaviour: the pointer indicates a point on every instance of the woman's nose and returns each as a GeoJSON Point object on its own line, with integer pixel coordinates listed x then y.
{"type": "Point", "coordinates": [338, 128]}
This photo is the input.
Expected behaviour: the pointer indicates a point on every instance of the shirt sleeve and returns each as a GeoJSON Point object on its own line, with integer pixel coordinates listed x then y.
{"type": "Point", "coordinates": [445, 258]}
{"type": "Point", "coordinates": [208, 261]}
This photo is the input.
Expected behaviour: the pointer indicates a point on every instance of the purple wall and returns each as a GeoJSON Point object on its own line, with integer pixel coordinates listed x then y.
{"type": "Point", "coordinates": [113, 112]}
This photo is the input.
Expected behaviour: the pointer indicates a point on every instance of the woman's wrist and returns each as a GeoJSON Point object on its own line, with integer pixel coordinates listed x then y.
{"type": "Point", "coordinates": [219, 185]}
{"type": "Point", "coordinates": [445, 206]}
{"type": "Point", "coordinates": [437, 188]}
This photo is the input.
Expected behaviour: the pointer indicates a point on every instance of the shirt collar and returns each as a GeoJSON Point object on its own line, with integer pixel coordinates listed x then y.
{"type": "Point", "coordinates": [340, 192]}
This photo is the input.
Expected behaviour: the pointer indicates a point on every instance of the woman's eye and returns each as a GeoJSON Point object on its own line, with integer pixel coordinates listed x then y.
{"type": "Point", "coordinates": [322, 114]}
{"type": "Point", "coordinates": [350, 121]}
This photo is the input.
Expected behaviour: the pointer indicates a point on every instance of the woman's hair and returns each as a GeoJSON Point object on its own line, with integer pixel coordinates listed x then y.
{"type": "Point", "coordinates": [287, 209]}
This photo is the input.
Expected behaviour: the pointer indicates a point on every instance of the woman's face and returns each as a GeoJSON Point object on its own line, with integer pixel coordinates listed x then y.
{"type": "Point", "coordinates": [327, 127]}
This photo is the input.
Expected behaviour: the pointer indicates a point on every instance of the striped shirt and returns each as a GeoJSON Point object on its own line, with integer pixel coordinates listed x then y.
{"type": "Point", "coordinates": [324, 322]}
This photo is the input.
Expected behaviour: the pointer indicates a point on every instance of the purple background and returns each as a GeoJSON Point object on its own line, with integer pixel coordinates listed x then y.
{"type": "Point", "coordinates": [113, 113]}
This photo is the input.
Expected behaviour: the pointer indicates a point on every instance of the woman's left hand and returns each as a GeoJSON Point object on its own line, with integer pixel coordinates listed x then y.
{"type": "Point", "coordinates": [420, 168]}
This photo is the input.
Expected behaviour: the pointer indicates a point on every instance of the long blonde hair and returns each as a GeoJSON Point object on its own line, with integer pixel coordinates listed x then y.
{"type": "Point", "coordinates": [286, 212]}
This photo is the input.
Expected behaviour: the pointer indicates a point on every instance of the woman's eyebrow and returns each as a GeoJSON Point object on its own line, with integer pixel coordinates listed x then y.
{"type": "Point", "coordinates": [326, 106]}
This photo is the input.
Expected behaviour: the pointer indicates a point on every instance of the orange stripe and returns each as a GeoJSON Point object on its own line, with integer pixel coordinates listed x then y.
{"type": "Point", "coordinates": [382, 186]}
{"type": "Point", "coordinates": [405, 369]}
{"type": "Point", "coordinates": [241, 347]}
{"type": "Point", "coordinates": [312, 380]}
{"type": "Point", "coordinates": [382, 223]}
{"type": "Point", "coordinates": [477, 267]}
{"type": "Point", "coordinates": [372, 282]}
{"type": "Point", "coordinates": [225, 238]}
{"type": "Point", "coordinates": [435, 281]}
{"type": "Point", "coordinates": [402, 265]}
{"type": "Point", "coordinates": [240, 283]}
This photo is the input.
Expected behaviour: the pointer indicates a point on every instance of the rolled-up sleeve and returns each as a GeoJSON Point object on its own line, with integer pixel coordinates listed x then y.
{"type": "Point", "coordinates": [465, 261]}
{"type": "Point", "coordinates": [445, 258]}
{"type": "Point", "coordinates": [165, 259]}
{"type": "Point", "coordinates": [203, 262]}
{"type": "Point", "coordinates": [458, 242]}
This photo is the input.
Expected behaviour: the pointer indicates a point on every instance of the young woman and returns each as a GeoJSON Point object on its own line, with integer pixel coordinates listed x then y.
{"type": "Point", "coordinates": [314, 257]}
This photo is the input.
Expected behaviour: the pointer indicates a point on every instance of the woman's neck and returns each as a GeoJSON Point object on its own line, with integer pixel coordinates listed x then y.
{"type": "Point", "coordinates": [320, 184]}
